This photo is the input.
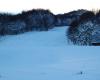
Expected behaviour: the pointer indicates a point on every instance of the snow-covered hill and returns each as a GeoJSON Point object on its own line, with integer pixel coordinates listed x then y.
{"type": "Point", "coordinates": [47, 56]}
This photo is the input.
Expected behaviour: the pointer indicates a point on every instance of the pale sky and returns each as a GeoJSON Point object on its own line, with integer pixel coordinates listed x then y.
{"type": "Point", "coordinates": [56, 6]}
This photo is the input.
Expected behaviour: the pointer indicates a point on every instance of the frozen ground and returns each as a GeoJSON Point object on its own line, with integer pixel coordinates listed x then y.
{"type": "Point", "coordinates": [47, 56]}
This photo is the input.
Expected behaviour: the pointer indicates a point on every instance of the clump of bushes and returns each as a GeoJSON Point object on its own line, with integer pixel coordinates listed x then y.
{"type": "Point", "coordinates": [39, 19]}
{"type": "Point", "coordinates": [85, 30]}
{"type": "Point", "coordinates": [67, 18]}
{"type": "Point", "coordinates": [33, 20]}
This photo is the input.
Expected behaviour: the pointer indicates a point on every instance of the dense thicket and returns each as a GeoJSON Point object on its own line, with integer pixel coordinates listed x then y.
{"type": "Point", "coordinates": [86, 30]}
{"type": "Point", "coordinates": [67, 18]}
{"type": "Point", "coordinates": [38, 20]}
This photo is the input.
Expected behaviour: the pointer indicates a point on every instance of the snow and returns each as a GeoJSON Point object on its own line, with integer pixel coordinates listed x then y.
{"type": "Point", "coordinates": [46, 55]}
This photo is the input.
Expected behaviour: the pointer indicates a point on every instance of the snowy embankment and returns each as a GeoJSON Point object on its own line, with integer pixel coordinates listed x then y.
{"type": "Point", "coordinates": [47, 56]}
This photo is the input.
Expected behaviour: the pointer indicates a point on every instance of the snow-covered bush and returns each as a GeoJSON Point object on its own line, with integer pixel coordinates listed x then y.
{"type": "Point", "coordinates": [39, 19]}
{"type": "Point", "coordinates": [67, 18]}
{"type": "Point", "coordinates": [36, 19]}
{"type": "Point", "coordinates": [86, 30]}
{"type": "Point", "coordinates": [81, 35]}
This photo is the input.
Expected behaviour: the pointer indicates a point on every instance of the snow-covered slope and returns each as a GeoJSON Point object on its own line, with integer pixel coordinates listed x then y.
{"type": "Point", "coordinates": [47, 56]}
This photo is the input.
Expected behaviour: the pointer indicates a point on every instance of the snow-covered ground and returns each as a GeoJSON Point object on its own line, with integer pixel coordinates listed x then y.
{"type": "Point", "coordinates": [47, 56]}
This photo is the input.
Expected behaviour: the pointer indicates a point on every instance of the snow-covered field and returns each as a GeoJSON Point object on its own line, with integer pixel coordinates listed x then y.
{"type": "Point", "coordinates": [47, 56]}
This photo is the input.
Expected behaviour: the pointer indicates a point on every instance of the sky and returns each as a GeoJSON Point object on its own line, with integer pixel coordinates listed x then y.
{"type": "Point", "coordinates": [56, 6]}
